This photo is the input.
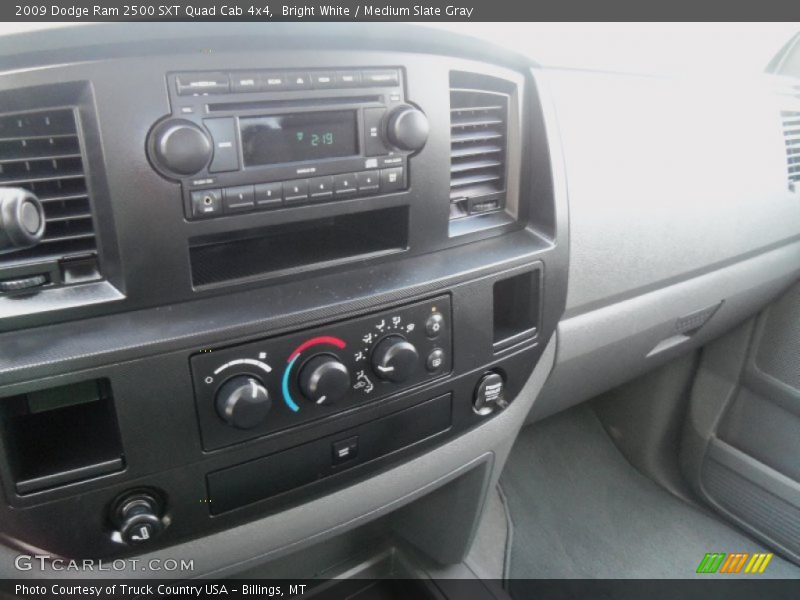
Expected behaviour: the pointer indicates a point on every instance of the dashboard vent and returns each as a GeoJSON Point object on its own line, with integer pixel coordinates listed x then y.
{"type": "Point", "coordinates": [478, 142]}
{"type": "Point", "coordinates": [790, 121]}
{"type": "Point", "coordinates": [41, 151]}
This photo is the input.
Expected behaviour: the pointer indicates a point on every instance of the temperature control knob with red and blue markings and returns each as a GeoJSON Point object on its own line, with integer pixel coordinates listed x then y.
{"type": "Point", "coordinates": [324, 379]}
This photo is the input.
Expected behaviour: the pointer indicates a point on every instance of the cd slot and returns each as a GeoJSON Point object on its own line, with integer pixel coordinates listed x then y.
{"type": "Point", "coordinates": [226, 107]}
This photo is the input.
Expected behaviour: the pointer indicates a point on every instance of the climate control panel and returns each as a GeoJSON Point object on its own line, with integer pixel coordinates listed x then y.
{"type": "Point", "coordinates": [269, 385]}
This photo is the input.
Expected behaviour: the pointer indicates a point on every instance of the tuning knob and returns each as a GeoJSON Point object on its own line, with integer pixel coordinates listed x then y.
{"type": "Point", "coordinates": [407, 128]}
{"type": "Point", "coordinates": [324, 379]}
{"type": "Point", "coordinates": [243, 402]}
{"type": "Point", "coordinates": [21, 219]}
{"type": "Point", "coordinates": [179, 147]}
{"type": "Point", "coordinates": [394, 359]}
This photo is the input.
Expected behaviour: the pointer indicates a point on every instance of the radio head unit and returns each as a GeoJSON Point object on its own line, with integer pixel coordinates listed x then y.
{"type": "Point", "coordinates": [246, 141]}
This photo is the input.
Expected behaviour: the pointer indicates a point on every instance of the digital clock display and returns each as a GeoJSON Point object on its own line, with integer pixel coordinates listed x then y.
{"type": "Point", "coordinates": [297, 137]}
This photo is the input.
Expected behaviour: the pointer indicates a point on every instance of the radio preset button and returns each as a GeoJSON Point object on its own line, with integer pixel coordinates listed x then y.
{"type": "Point", "coordinates": [246, 82]}
{"type": "Point", "coordinates": [298, 81]}
{"type": "Point", "coordinates": [268, 195]}
{"type": "Point", "coordinates": [238, 199]}
{"type": "Point", "coordinates": [373, 140]}
{"type": "Point", "coordinates": [206, 203]}
{"type": "Point", "coordinates": [196, 84]}
{"type": "Point", "coordinates": [368, 181]}
{"type": "Point", "coordinates": [348, 78]}
{"type": "Point", "coordinates": [295, 191]}
{"type": "Point", "coordinates": [393, 179]}
{"type": "Point", "coordinates": [226, 156]}
{"type": "Point", "coordinates": [323, 80]}
{"type": "Point", "coordinates": [376, 77]}
{"type": "Point", "coordinates": [274, 81]}
{"type": "Point", "coordinates": [344, 185]}
{"type": "Point", "coordinates": [320, 188]}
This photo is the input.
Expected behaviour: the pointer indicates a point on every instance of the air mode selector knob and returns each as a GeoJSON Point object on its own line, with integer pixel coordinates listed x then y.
{"type": "Point", "coordinates": [179, 147]}
{"type": "Point", "coordinates": [324, 379]}
{"type": "Point", "coordinates": [243, 402]}
{"type": "Point", "coordinates": [407, 128]}
{"type": "Point", "coordinates": [395, 359]}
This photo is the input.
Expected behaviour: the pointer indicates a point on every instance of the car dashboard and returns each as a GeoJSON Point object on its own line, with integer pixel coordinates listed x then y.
{"type": "Point", "coordinates": [288, 283]}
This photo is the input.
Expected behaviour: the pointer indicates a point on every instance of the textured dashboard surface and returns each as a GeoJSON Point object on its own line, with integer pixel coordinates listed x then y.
{"type": "Point", "coordinates": [667, 179]}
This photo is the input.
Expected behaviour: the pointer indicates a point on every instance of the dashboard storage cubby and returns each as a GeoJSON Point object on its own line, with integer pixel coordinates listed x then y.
{"type": "Point", "coordinates": [515, 308]}
{"type": "Point", "coordinates": [60, 435]}
{"type": "Point", "coordinates": [282, 249]}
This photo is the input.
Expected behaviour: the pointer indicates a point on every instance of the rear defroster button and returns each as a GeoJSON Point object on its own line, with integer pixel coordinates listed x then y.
{"type": "Point", "coordinates": [435, 360]}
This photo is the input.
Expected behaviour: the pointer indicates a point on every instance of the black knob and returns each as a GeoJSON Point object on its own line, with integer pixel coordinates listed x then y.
{"type": "Point", "coordinates": [179, 147]}
{"type": "Point", "coordinates": [324, 379]}
{"type": "Point", "coordinates": [243, 402]}
{"type": "Point", "coordinates": [21, 219]}
{"type": "Point", "coordinates": [407, 128]}
{"type": "Point", "coordinates": [138, 518]}
{"type": "Point", "coordinates": [395, 359]}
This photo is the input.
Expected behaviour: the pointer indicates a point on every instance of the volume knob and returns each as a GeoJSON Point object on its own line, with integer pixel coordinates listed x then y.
{"type": "Point", "coordinates": [407, 128]}
{"type": "Point", "coordinates": [179, 147]}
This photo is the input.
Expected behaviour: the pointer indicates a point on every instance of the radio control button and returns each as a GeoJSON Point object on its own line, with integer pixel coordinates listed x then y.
{"type": "Point", "coordinates": [373, 138]}
{"type": "Point", "coordinates": [179, 147]}
{"type": "Point", "coordinates": [238, 199]}
{"type": "Point", "coordinates": [380, 77]}
{"type": "Point", "coordinates": [196, 84]}
{"type": "Point", "coordinates": [295, 191]}
{"type": "Point", "coordinates": [323, 80]}
{"type": "Point", "coordinates": [206, 203]}
{"type": "Point", "coordinates": [274, 81]}
{"type": "Point", "coordinates": [246, 82]}
{"type": "Point", "coordinates": [348, 78]}
{"type": "Point", "coordinates": [320, 188]}
{"type": "Point", "coordinates": [407, 128]}
{"type": "Point", "coordinates": [298, 81]}
{"type": "Point", "coordinates": [368, 181]}
{"type": "Point", "coordinates": [392, 179]}
{"type": "Point", "coordinates": [268, 195]}
{"type": "Point", "coordinates": [344, 185]}
{"type": "Point", "coordinates": [226, 155]}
